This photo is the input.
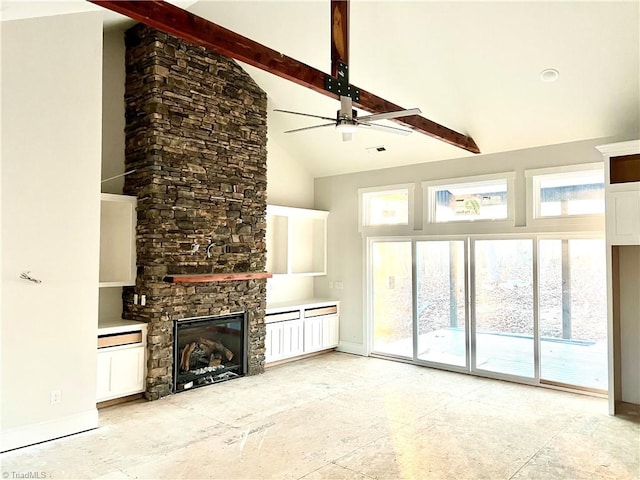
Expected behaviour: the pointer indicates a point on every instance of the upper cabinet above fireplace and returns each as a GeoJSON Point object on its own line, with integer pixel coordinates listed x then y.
{"type": "Point", "coordinates": [117, 240]}
{"type": "Point", "coordinates": [296, 241]}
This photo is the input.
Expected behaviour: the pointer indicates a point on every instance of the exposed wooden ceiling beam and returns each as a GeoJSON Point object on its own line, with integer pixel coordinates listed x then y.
{"type": "Point", "coordinates": [199, 31]}
{"type": "Point", "coordinates": [339, 34]}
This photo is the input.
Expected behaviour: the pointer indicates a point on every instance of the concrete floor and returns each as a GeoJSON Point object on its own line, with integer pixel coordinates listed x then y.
{"type": "Point", "coordinates": [342, 416]}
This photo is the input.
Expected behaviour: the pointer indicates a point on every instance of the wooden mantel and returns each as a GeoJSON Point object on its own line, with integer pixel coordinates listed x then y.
{"type": "Point", "coordinates": [215, 277]}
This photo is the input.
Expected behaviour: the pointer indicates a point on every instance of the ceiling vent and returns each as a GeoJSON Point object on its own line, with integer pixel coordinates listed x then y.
{"type": "Point", "coordinates": [377, 149]}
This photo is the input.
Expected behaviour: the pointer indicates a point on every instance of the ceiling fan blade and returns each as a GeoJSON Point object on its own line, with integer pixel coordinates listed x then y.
{"type": "Point", "coordinates": [385, 128]}
{"type": "Point", "coordinates": [304, 114]}
{"type": "Point", "coordinates": [332, 124]}
{"type": "Point", "coordinates": [389, 115]}
{"type": "Point", "coordinates": [346, 137]}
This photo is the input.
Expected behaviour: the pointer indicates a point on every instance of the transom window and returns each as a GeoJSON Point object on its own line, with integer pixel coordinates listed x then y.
{"type": "Point", "coordinates": [567, 191]}
{"type": "Point", "coordinates": [385, 207]}
{"type": "Point", "coordinates": [484, 199]}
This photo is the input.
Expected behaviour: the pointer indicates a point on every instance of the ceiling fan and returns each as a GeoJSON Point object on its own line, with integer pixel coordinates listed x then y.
{"type": "Point", "coordinates": [347, 120]}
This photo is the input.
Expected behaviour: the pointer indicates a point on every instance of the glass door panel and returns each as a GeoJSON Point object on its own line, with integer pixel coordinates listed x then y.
{"type": "Point", "coordinates": [573, 312]}
{"type": "Point", "coordinates": [392, 298]}
{"type": "Point", "coordinates": [441, 306]}
{"type": "Point", "coordinates": [504, 322]}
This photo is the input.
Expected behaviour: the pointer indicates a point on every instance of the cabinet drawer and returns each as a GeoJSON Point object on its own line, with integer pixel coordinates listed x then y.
{"type": "Point", "coordinates": [319, 311]}
{"type": "Point", "coordinates": [117, 339]}
{"type": "Point", "coordinates": [281, 317]}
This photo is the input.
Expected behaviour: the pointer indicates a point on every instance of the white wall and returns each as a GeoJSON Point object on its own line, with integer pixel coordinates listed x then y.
{"type": "Point", "coordinates": [339, 195]}
{"type": "Point", "coordinates": [113, 120]}
{"type": "Point", "coordinates": [288, 182]}
{"type": "Point", "coordinates": [291, 185]}
{"type": "Point", "coordinates": [51, 123]}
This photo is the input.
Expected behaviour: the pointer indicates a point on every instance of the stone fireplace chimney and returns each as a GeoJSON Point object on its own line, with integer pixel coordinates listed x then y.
{"type": "Point", "coordinates": [196, 137]}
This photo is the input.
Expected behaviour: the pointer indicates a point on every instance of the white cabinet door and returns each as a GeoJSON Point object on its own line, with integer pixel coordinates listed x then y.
{"type": "Point", "coordinates": [273, 342]}
{"type": "Point", "coordinates": [292, 338]}
{"type": "Point", "coordinates": [312, 334]}
{"type": "Point", "coordinates": [103, 387]}
{"type": "Point", "coordinates": [127, 367]}
{"type": "Point", "coordinates": [623, 217]}
{"type": "Point", "coordinates": [120, 372]}
{"type": "Point", "coordinates": [330, 331]}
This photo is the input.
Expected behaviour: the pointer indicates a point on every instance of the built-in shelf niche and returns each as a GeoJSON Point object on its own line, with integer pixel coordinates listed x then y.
{"type": "Point", "coordinates": [117, 240]}
{"type": "Point", "coordinates": [624, 169]}
{"type": "Point", "coordinates": [296, 241]}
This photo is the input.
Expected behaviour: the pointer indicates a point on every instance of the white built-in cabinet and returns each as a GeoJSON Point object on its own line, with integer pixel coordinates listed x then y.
{"type": "Point", "coordinates": [121, 343]}
{"type": "Point", "coordinates": [284, 339]}
{"type": "Point", "coordinates": [296, 241]}
{"type": "Point", "coordinates": [117, 240]}
{"type": "Point", "coordinates": [294, 329]}
{"type": "Point", "coordinates": [623, 219]}
{"type": "Point", "coordinates": [121, 359]}
{"type": "Point", "coordinates": [622, 197]}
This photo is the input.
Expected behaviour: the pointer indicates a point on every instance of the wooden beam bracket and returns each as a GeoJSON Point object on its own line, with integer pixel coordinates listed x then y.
{"type": "Point", "coordinates": [340, 85]}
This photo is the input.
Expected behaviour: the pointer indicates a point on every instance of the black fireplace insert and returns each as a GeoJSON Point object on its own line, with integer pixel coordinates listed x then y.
{"type": "Point", "coordinates": [209, 350]}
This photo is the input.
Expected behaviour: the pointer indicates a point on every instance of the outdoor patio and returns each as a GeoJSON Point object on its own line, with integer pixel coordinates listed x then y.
{"type": "Point", "coordinates": [569, 362]}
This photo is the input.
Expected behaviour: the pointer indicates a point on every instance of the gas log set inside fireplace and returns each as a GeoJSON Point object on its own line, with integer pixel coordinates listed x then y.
{"type": "Point", "coordinates": [209, 350]}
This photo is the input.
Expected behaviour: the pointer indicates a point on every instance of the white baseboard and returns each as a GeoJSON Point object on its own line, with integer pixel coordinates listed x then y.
{"type": "Point", "coordinates": [43, 431]}
{"type": "Point", "coordinates": [352, 347]}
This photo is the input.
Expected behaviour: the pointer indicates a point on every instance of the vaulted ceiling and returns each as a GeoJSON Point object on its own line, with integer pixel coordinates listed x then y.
{"type": "Point", "coordinates": [471, 66]}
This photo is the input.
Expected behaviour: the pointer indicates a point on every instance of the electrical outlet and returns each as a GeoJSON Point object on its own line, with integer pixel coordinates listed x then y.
{"type": "Point", "coordinates": [339, 285]}
{"type": "Point", "coordinates": [330, 284]}
{"type": "Point", "coordinates": [143, 300]}
{"type": "Point", "coordinates": [135, 298]}
{"type": "Point", "coordinates": [55, 397]}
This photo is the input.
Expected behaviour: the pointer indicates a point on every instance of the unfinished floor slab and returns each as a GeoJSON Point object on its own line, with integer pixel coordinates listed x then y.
{"type": "Point", "coordinates": [344, 416]}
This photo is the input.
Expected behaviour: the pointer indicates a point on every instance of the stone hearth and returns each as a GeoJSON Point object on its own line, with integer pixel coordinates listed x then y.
{"type": "Point", "coordinates": [196, 138]}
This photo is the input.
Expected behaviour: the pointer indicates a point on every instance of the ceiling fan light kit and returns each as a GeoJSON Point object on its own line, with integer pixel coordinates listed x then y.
{"type": "Point", "coordinates": [346, 127]}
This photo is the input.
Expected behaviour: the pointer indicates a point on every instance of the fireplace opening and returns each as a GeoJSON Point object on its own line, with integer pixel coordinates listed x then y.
{"type": "Point", "coordinates": [209, 350]}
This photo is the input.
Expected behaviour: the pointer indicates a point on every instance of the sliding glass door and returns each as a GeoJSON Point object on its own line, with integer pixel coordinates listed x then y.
{"type": "Point", "coordinates": [532, 309]}
{"type": "Point", "coordinates": [573, 312]}
{"type": "Point", "coordinates": [503, 327]}
{"type": "Point", "coordinates": [391, 299]}
{"type": "Point", "coordinates": [441, 302]}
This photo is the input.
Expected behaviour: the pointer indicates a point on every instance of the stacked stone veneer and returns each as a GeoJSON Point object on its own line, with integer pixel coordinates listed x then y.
{"type": "Point", "coordinates": [196, 137]}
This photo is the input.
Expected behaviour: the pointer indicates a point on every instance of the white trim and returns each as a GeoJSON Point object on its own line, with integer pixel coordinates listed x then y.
{"type": "Point", "coordinates": [49, 430]}
{"type": "Point", "coordinates": [295, 211]}
{"type": "Point", "coordinates": [352, 348]}
{"type": "Point", "coordinates": [619, 148]}
{"type": "Point", "coordinates": [488, 178]}
{"type": "Point", "coordinates": [366, 301]}
{"type": "Point", "coordinates": [563, 169]}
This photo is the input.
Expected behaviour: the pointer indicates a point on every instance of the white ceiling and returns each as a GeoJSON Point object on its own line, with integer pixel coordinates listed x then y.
{"type": "Point", "coordinates": [471, 66]}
